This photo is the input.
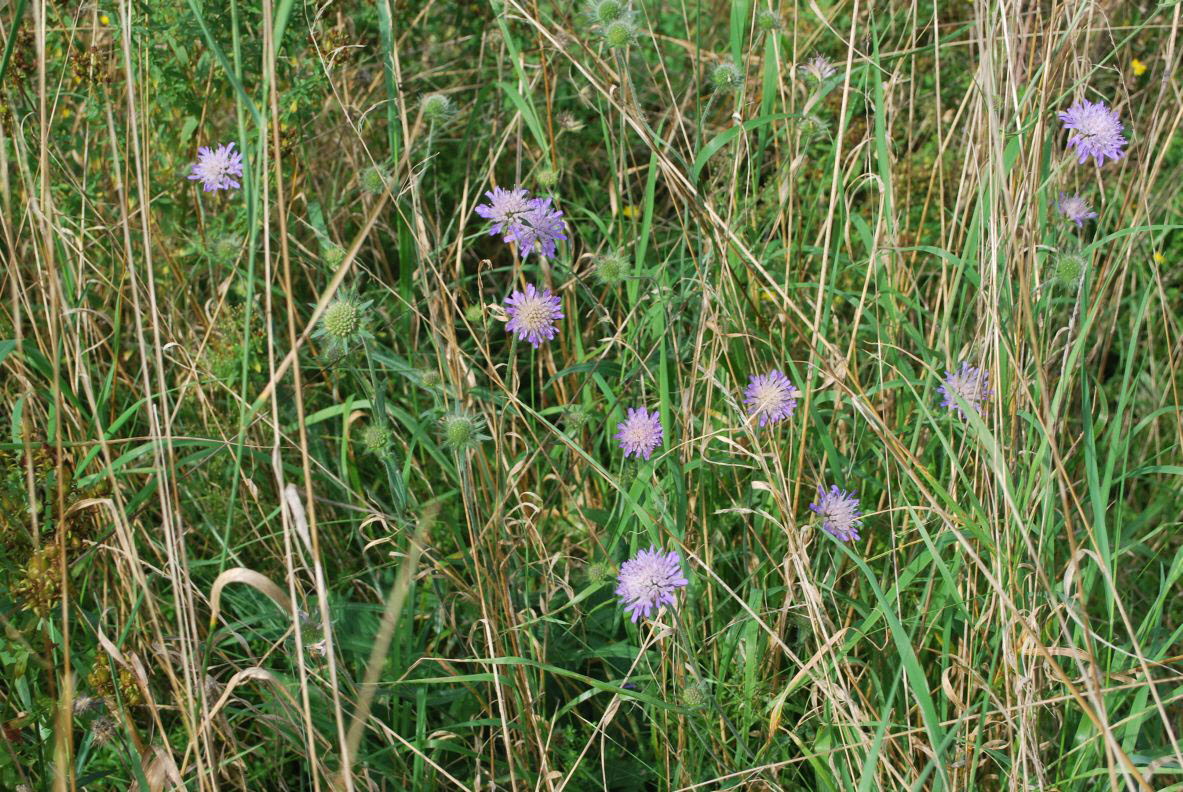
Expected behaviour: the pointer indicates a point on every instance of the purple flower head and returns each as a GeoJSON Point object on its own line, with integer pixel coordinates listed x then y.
{"type": "Point", "coordinates": [640, 432]}
{"type": "Point", "coordinates": [648, 580]}
{"type": "Point", "coordinates": [1075, 208]}
{"type": "Point", "coordinates": [217, 169]}
{"type": "Point", "coordinates": [532, 314]}
{"type": "Point", "coordinates": [839, 512]}
{"type": "Point", "coordinates": [540, 227]}
{"type": "Point", "coordinates": [771, 396]}
{"type": "Point", "coordinates": [972, 384]}
{"type": "Point", "coordinates": [1096, 132]}
{"type": "Point", "coordinates": [505, 209]}
{"type": "Point", "coordinates": [818, 68]}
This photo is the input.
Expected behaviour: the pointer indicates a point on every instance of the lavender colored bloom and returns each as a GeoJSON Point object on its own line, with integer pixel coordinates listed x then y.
{"type": "Point", "coordinates": [839, 512]}
{"type": "Point", "coordinates": [818, 68]}
{"type": "Point", "coordinates": [505, 209]}
{"type": "Point", "coordinates": [1075, 208]}
{"type": "Point", "coordinates": [532, 314]}
{"type": "Point", "coordinates": [971, 383]}
{"type": "Point", "coordinates": [648, 580]}
{"type": "Point", "coordinates": [540, 227]}
{"type": "Point", "coordinates": [771, 396]}
{"type": "Point", "coordinates": [217, 169]}
{"type": "Point", "coordinates": [640, 432]}
{"type": "Point", "coordinates": [1096, 131]}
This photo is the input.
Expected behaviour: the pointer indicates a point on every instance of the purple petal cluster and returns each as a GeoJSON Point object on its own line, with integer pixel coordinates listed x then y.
{"type": "Point", "coordinates": [533, 224]}
{"type": "Point", "coordinates": [839, 512]}
{"type": "Point", "coordinates": [1075, 208]}
{"type": "Point", "coordinates": [648, 580]}
{"type": "Point", "coordinates": [532, 314]}
{"type": "Point", "coordinates": [217, 169]}
{"type": "Point", "coordinates": [971, 383]}
{"type": "Point", "coordinates": [640, 433]}
{"type": "Point", "coordinates": [771, 397]}
{"type": "Point", "coordinates": [1096, 132]}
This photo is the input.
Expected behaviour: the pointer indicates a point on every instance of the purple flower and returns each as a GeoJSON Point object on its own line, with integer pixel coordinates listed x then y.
{"type": "Point", "coordinates": [1096, 131]}
{"type": "Point", "coordinates": [818, 68]}
{"type": "Point", "coordinates": [648, 580]}
{"type": "Point", "coordinates": [540, 227]}
{"type": "Point", "coordinates": [640, 432]}
{"type": "Point", "coordinates": [1075, 209]}
{"type": "Point", "coordinates": [532, 314]}
{"type": "Point", "coordinates": [505, 209]}
{"type": "Point", "coordinates": [839, 512]}
{"type": "Point", "coordinates": [972, 384]}
{"type": "Point", "coordinates": [771, 396]}
{"type": "Point", "coordinates": [217, 169]}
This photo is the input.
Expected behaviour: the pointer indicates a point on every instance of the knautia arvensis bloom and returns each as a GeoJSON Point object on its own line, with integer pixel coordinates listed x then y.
{"type": "Point", "coordinates": [640, 433]}
{"type": "Point", "coordinates": [1096, 132]}
{"type": "Point", "coordinates": [1075, 208]}
{"type": "Point", "coordinates": [648, 580]}
{"type": "Point", "coordinates": [971, 383]}
{"type": "Point", "coordinates": [533, 314]}
{"type": "Point", "coordinates": [771, 397]}
{"type": "Point", "coordinates": [839, 511]}
{"type": "Point", "coordinates": [504, 210]}
{"type": "Point", "coordinates": [217, 169]}
{"type": "Point", "coordinates": [540, 229]}
{"type": "Point", "coordinates": [818, 68]}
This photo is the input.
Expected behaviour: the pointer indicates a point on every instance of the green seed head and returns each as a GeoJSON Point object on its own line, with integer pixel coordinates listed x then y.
{"type": "Point", "coordinates": [1069, 267]}
{"type": "Point", "coordinates": [600, 572]}
{"type": "Point", "coordinates": [461, 431]}
{"type": "Point", "coordinates": [547, 178]}
{"type": "Point", "coordinates": [437, 108]}
{"type": "Point", "coordinates": [374, 179]}
{"type": "Point", "coordinates": [726, 77]}
{"type": "Point", "coordinates": [475, 314]}
{"type": "Point", "coordinates": [225, 248]}
{"type": "Point", "coordinates": [695, 696]}
{"type": "Point", "coordinates": [342, 319]}
{"type": "Point", "coordinates": [377, 439]}
{"type": "Point", "coordinates": [768, 21]}
{"type": "Point", "coordinates": [333, 255]}
{"type": "Point", "coordinates": [611, 268]}
{"type": "Point", "coordinates": [576, 418]}
{"type": "Point", "coordinates": [608, 11]}
{"type": "Point", "coordinates": [619, 33]}
{"type": "Point", "coordinates": [430, 378]}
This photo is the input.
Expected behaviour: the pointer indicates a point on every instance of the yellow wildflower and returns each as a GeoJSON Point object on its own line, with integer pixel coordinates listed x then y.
{"type": "Point", "coordinates": [1138, 67]}
{"type": "Point", "coordinates": [104, 20]}
{"type": "Point", "coordinates": [1159, 258]}
{"type": "Point", "coordinates": [630, 211]}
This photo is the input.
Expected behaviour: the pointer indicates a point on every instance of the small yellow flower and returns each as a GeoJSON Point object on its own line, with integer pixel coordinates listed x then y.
{"type": "Point", "coordinates": [1159, 258]}
{"type": "Point", "coordinates": [104, 20]}
{"type": "Point", "coordinates": [1138, 67]}
{"type": "Point", "coordinates": [630, 211]}
{"type": "Point", "coordinates": [65, 112]}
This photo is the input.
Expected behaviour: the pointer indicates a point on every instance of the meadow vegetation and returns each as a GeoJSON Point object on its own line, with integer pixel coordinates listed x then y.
{"type": "Point", "coordinates": [627, 395]}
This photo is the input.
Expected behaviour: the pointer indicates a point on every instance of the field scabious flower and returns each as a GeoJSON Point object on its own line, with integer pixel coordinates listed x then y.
{"type": "Point", "coordinates": [217, 169]}
{"type": "Point", "coordinates": [839, 512]}
{"type": "Point", "coordinates": [532, 315]}
{"type": "Point", "coordinates": [640, 433]}
{"type": "Point", "coordinates": [1075, 208]}
{"type": "Point", "coordinates": [771, 397]}
{"type": "Point", "coordinates": [648, 580]}
{"type": "Point", "coordinates": [818, 68]}
{"type": "Point", "coordinates": [540, 228]}
{"type": "Point", "coordinates": [971, 383]}
{"type": "Point", "coordinates": [1096, 132]}
{"type": "Point", "coordinates": [505, 209]}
